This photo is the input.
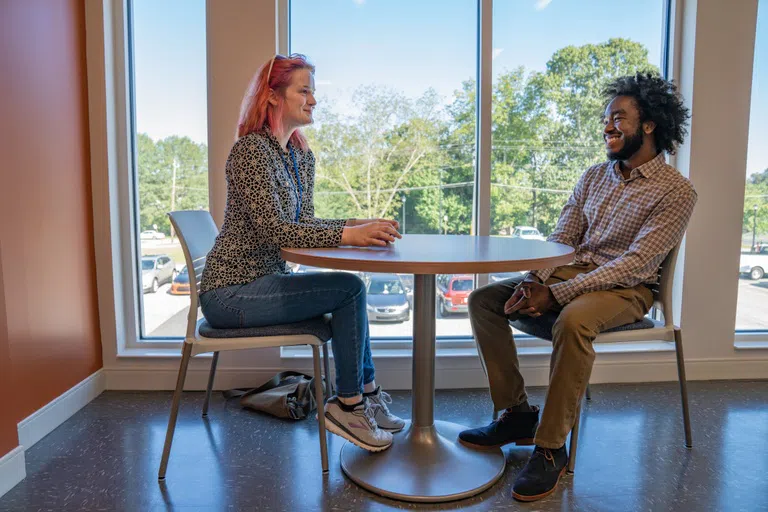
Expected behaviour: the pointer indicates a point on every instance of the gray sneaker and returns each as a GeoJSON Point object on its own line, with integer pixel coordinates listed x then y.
{"type": "Point", "coordinates": [357, 426]}
{"type": "Point", "coordinates": [385, 419]}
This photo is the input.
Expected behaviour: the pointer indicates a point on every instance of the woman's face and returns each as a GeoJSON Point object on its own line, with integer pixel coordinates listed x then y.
{"type": "Point", "coordinates": [299, 100]}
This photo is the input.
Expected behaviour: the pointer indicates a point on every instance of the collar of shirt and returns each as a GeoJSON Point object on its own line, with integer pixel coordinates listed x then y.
{"type": "Point", "coordinates": [646, 170]}
{"type": "Point", "coordinates": [277, 147]}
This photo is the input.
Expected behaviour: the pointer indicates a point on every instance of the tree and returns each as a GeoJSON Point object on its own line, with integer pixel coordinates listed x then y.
{"type": "Point", "coordinates": [365, 161]}
{"type": "Point", "coordinates": [172, 175]}
{"type": "Point", "coordinates": [756, 194]}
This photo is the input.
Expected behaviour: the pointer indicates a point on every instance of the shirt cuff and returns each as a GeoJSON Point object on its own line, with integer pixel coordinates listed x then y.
{"type": "Point", "coordinates": [564, 292]}
{"type": "Point", "coordinates": [542, 274]}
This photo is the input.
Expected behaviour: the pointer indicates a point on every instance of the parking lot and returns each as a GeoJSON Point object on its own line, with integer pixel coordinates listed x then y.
{"type": "Point", "coordinates": [165, 315]}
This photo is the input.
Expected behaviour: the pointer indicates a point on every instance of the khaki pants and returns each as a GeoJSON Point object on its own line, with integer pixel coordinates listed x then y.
{"type": "Point", "coordinates": [576, 327]}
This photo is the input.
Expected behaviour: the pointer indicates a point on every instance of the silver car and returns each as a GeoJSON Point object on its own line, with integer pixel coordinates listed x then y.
{"type": "Point", "coordinates": [156, 270]}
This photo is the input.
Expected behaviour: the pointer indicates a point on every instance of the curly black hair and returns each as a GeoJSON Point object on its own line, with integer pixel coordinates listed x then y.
{"type": "Point", "coordinates": [659, 101]}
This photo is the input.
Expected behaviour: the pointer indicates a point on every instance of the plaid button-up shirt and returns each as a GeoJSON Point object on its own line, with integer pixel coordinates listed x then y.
{"type": "Point", "coordinates": [626, 227]}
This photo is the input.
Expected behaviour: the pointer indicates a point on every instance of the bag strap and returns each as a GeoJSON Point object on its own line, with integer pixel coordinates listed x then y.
{"type": "Point", "coordinates": [270, 384]}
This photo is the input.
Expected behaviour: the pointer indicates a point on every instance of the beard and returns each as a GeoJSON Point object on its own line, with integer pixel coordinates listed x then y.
{"type": "Point", "coordinates": [632, 144]}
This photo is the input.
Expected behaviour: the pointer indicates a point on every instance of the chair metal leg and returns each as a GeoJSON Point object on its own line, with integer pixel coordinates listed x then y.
{"type": "Point", "coordinates": [327, 369]}
{"type": "Point", "coordinates": [683, 387]}
{"type": "Point", "coordinates": [210, 383]}
{"type": "Point", "coordinates": [589, 393]}
{"type": "Point", "coordinates": [185, 356]}
{"type": "Point", "coordinates": [320, 409]}
{"type": "Point", "coordinates": [574, 441]}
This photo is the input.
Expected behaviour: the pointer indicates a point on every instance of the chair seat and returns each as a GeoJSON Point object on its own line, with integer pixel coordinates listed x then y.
{"type": "Point", "coordinates": [541, 327]}
{"type": "Point", "coordinates": [309, 332]}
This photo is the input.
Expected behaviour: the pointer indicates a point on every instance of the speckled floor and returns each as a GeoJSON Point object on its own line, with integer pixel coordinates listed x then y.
{"type": "Point", "coordinates": [631, 456]}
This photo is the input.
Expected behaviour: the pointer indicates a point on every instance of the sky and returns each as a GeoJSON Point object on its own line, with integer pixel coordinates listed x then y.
{"type": "Point", "coordinates": [403, 44]}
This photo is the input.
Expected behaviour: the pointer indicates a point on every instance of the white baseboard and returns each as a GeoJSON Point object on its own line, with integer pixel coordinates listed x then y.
{"type": "Point", "coordinates": [43, 421]}
{"type": "Point", "coordinates": [12, 470]}
{"type": "Point", "coordinates": [455, 377]}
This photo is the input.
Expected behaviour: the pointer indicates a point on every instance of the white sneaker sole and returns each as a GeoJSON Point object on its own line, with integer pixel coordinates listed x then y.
{"type": "Point", "coordinates": [392, 430]}
{"type": "Point", "coordinates": [331, 427]}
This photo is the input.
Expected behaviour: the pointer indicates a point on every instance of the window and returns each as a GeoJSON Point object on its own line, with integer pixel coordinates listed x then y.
{"type": "Point", "coordinates": [394, 131]}
{"type": "Point", "coordinates": [395, 127]}
{"type": "Point", "coordinates": [547, 75]}
{"type": "Point", "coordinates": [168, 65]}
{"type": "Point", "coordinates": [547, 102]}
{"type": "Point", "coordinates": [752, 309]}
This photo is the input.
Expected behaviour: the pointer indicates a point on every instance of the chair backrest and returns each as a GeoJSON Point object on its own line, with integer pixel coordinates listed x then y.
{"type": "Point", "coordinates": [662, 290]}
{"type": "Point", "coordinates": [197, 234]}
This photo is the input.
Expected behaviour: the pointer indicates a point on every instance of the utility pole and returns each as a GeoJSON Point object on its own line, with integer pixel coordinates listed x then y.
{"type": "Point", "coordinates": [754, 228]}
{"type": "Point", "coordinates": [175, 168]}
{"type": "Point", "coordinates": [402, 226]}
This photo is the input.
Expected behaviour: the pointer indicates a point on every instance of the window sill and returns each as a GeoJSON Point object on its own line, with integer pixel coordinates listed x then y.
{"type": "Point", "coordinates": [534, 349]}
{"type": "Point", "coordinates": [449, 349]}
{"type": "Point", "coordinates": [750, 345]}
{"type": "Point", "coordinates": [164, 352]}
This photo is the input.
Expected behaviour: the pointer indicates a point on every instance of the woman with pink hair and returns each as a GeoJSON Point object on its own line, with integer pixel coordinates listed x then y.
{"type": "Point", "coordinates": [270, 185]}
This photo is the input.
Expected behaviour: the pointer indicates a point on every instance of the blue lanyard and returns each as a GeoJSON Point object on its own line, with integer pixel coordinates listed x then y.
{"type": "Point", "coordinates": [300, 192]}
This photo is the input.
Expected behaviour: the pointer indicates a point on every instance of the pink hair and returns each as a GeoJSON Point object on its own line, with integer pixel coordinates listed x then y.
{"type": "Point", "coordinates": [256, 112]}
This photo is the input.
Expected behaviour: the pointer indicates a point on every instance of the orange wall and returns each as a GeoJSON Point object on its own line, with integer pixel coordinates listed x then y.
{"type": "Point", "coordinates": [46, 223]}
{"type": "Point", "coordinates": [8, 438]}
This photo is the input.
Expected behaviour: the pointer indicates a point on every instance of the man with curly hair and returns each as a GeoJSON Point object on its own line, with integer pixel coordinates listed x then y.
{"type": "Point", "coordinates": [623, 218]}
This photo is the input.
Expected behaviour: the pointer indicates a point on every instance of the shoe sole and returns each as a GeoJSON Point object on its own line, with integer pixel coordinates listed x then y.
{"type": "Point", "coordinates": [390, 430]}
{"type": "Point", "coordinates": [536, 497]}
{"type": "Point", "coordinates": [519, 442]}
{"type": "Point", "coordinates": [333, 428]}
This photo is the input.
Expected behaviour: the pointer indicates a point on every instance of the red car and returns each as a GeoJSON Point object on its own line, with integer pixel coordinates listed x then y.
{"type": "Point", "coordinates": [453, 293]}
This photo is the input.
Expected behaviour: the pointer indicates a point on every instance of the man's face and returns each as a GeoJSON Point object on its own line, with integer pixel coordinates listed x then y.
{"type": "Point", "coordinates": [623, 131]}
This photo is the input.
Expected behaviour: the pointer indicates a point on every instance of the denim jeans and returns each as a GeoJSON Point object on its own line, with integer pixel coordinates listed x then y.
{"type": "Point", "coordinates": [286, 298]}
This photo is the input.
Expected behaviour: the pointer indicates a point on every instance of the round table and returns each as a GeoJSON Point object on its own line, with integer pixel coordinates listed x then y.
{"type": "Point", "coordinates": [426, 463]}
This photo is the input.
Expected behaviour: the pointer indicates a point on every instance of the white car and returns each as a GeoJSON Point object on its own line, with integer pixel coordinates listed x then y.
{"type": "Point", "coordinates": [527, 233]}
{"type": "Point", "coordinates": [754, 264]}
{"type": "Point", "coordinates": [151, 234]}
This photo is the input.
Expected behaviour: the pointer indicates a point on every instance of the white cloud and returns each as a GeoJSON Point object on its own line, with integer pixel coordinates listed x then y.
{"type": "Point", "coordinates": [540, 4]}
{"type": "Point", "coordinates": [496, 53]}
{"type": "Point", "coordinates": [323, 82]}
{"type": "Point", "coordinates": [361, 2]}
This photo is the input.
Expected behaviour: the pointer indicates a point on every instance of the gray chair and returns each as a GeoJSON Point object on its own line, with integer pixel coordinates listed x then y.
{"type": "Point", "coordinates": [644, 330]}
{"type": "Point", "coordinates": [197, 234]}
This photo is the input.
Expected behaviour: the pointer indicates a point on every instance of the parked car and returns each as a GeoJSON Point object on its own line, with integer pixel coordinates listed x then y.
{"type": "Point", "coordinates": [387, 300]}
{"type": "Point", "coordinates": [754, 264]}
{"type": "Point", "coordinates": [180, 283]}
{"type": "Point", "coordinates": [151, 234]}
{"type": "Point", "coordinates": [453, 293]}
{"type": "Point", "coordinates": [407, 280]}
{"type": "Point", "coordinates": [527, 233]}
{"type": "Point", "coordinates": [156, 270]}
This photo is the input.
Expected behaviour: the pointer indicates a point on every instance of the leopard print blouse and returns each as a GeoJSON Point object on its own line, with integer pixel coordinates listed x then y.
{"type": "Point", "coordinates": [260, 213]}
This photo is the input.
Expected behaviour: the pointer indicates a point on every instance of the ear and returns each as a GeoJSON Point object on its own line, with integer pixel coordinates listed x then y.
{"type": "Point", "coordinates": [648, 127]}
{"type": "Point", "coordinates": [272, 98]}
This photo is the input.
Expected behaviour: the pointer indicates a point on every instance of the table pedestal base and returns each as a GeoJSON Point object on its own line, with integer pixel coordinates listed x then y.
{"type": "Point", "coordinates": [424, 464]}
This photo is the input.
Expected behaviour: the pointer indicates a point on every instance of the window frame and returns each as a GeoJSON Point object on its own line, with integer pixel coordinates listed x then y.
{"type": "Point", "coordinates": [127, 245]}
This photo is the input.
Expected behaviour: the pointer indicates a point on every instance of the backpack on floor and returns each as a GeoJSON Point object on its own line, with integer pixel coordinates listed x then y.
{"type": "Point", "coordinates": [288, 394]}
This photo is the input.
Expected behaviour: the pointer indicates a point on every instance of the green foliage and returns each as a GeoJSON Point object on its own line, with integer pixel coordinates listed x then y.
{"type": "Point", "coordinates": [756, 194]}
{"type": "Point", "coordinates": [157, 162]}
{"type": "Point", "coordinates": [546, 127]}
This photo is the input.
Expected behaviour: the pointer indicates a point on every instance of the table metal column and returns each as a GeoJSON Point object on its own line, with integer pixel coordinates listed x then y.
{"type": "Point", "coordinates": [426, 463]}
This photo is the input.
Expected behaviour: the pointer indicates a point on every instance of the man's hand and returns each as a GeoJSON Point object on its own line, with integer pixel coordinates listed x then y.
{"type": "Point", "coordinates": [531, 298]}
{"type": "Point", "coordinates": [360, 222]}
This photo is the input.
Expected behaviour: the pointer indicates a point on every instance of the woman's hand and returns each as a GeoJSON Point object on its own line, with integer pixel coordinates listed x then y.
{"type": "Point", "coordinates": [360, 222]}
{"type": "Point", "coordinates": [377, 233]}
